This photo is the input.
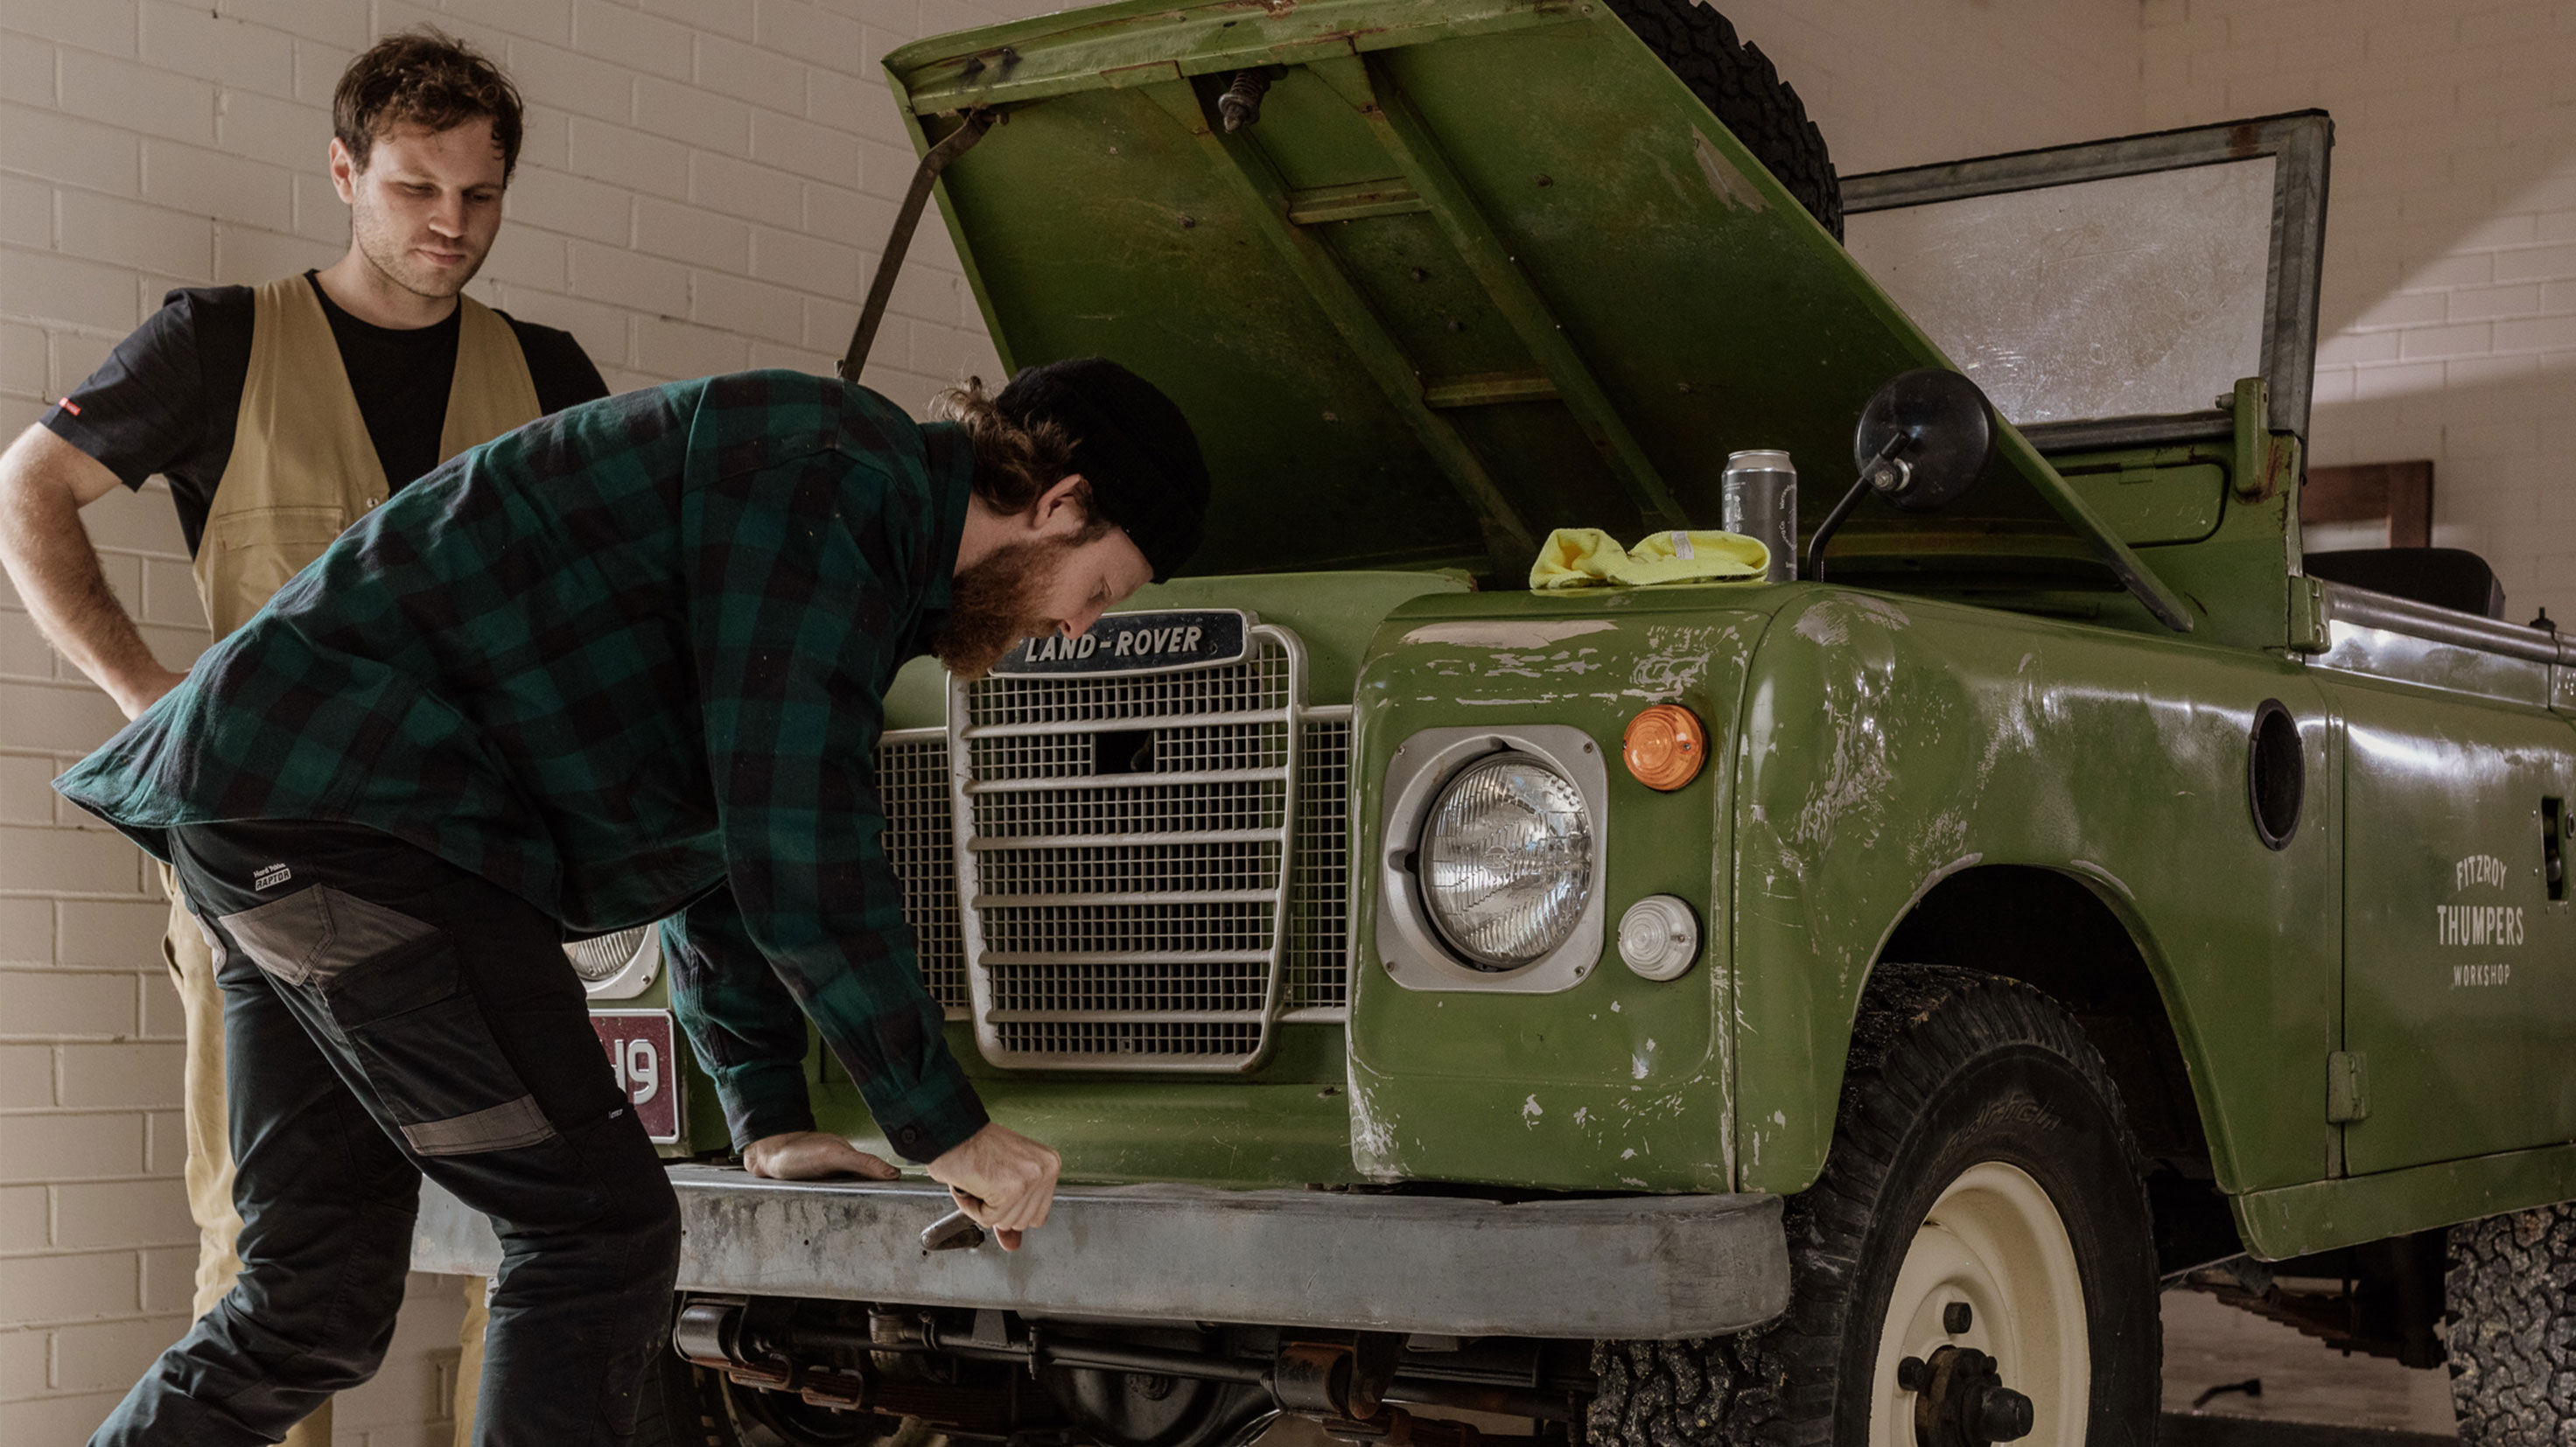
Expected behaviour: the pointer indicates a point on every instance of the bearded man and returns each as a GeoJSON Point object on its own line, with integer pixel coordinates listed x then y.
{"type": "Point", "coordinates": [623, 664]}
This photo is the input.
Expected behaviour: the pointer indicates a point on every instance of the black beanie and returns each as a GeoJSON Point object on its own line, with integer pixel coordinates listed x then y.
{"type": "Point", "coordinates": [1131, 443]}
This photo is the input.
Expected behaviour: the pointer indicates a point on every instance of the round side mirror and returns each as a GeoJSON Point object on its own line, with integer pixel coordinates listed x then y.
{"type": "Point", "coordinates": [1924, 439]}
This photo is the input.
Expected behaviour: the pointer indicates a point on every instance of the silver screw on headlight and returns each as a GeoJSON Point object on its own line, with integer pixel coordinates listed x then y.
{"type": "Point", "coordinates": [1659, 937]}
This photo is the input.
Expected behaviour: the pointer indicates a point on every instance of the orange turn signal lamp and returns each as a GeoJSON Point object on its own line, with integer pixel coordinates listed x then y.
{"type": "Point", "coordinates": [1664, 746]}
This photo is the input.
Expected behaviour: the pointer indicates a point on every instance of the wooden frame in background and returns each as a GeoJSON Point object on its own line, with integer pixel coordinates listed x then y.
{"type": "Point", "coordinates": [2400, 492]}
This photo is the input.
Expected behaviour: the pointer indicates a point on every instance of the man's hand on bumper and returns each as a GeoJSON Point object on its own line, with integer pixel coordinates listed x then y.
{"type": "Point", "coordinates": [1002, 1179]}
{"type": "Point", "coordinates": [808, 1155]}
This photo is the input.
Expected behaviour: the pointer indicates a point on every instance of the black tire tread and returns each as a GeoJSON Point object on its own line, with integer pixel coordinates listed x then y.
{"type": "Point", "coordinates": [1777, 1385]}
{"type": "Point", "coordinates": [2511, 1291]}
{"type": "Point", "coordinates": [1743, 89]}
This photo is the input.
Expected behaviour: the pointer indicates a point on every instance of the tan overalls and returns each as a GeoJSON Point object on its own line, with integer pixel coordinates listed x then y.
{"type": "Point", "coordinates": [303, 469]}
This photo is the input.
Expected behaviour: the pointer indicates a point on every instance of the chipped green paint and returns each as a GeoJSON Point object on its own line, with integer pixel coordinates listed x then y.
{"type": "Point", "coordinates": [1870, 745]}
{"type": "Point", "coordinates": [1889, 743]}
{"type": "Point", "coordinates": [1615, 1082]}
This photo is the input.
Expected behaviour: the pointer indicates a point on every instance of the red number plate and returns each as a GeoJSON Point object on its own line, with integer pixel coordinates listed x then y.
{"type": "Point", "coordinates": [639, 1046]}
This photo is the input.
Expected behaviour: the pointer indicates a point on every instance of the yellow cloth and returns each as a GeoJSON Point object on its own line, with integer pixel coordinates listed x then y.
{"type": "Point", "coordinates": [1589, 557]}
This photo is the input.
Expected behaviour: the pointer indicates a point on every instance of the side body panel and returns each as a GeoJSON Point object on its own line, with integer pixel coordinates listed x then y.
{"type": "Point", "coordinates": [1888, 743]}
{"type": "Point", "coordinates": [2460, 984]}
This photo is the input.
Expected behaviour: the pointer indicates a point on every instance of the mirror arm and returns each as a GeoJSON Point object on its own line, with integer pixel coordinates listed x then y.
{"type": "Point", "coordinates": [1884, 473]}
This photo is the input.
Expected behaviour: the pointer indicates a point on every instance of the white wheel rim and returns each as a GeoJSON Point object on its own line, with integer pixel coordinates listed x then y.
{"type": "Point", "coordinates": [1994, 1241]}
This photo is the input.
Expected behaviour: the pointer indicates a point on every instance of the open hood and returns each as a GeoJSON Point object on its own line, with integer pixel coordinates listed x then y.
{"type": "Point", "coordinates": [1480, 269]}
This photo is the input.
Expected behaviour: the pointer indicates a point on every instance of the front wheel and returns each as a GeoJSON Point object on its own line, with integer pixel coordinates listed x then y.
{"type": "Point", "coordinates": [1974, 1264]}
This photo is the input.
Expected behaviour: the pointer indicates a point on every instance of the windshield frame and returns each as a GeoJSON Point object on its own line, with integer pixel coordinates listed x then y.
{"type": "Point", "coordinates": [2299, 143]}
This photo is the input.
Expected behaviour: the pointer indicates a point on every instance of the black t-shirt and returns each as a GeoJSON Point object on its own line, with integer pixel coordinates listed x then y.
{"type": "Point", "coordinates": [168, 398]}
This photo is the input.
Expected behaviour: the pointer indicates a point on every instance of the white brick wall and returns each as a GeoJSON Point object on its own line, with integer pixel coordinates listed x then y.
{"type": "Point", "coordinates": [1904, 82]}
{"type": "Point", "coordinates": [96, 1249]}
{"type": "Point", "coordinates": [2449, 312]}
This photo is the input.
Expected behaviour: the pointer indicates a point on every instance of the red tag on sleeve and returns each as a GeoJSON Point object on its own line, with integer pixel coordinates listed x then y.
{"type": "Point", "coordinates": [68, 405]}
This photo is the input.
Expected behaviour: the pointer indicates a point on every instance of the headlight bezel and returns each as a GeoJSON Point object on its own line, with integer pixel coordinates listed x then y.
{"type": "Point", "coordinates": [624, 981]}
{"type": "Point", "coordinates": [1411, 948]}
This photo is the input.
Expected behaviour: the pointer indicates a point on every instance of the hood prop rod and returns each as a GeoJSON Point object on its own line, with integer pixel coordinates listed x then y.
{"type": "Point", "coordinates": [899, 240]}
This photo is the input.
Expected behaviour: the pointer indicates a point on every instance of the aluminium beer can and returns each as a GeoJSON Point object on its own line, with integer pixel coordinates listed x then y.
{"type": "Point", "coordinates": [1760, 500]}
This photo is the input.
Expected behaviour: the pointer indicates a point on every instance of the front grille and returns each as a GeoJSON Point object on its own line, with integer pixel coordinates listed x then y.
{"type": "Point", "coordinates": [1157, 864]}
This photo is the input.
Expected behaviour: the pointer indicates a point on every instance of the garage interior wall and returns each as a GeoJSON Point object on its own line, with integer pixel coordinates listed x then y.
{"type": "Point", "coordinates": [703, 187]}
{"type": "Point", "coordinates": [2447, 325]}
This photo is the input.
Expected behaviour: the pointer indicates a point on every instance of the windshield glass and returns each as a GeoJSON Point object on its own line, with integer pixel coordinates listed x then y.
{"type": "Point", "coordinates": [2129, 296]}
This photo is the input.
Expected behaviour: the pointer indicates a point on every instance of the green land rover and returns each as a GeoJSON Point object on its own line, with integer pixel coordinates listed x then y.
{"type": "Point", "coordinates": [1824, 1006]}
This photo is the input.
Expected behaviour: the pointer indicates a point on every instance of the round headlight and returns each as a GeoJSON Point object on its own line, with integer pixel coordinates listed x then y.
{"type": "Point", "coordinates": [1506, 861]}
{"type": "Point", "coordinates": [595, 960]}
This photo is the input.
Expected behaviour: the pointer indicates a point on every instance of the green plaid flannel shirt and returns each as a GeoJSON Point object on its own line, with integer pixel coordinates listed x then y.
{"type": "Point", "coordinates": [627, 661]}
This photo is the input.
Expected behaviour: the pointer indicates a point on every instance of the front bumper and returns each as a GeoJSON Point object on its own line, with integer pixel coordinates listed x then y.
{"type": "Point", "coordinates": [1620, 1267]}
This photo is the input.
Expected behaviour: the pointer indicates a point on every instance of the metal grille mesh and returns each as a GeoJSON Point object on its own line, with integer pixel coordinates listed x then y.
{"type": "Point", "coordinates": [913, 781]}
{"type": "Point", "coordinates": [1319, 893]}
{"type": "Point", "coordinates": [1180, 958]}
{"type": "Point", "coordinates": [1133, 965]}
{"type": "Point", "coordinates": [1134, 877]}
{"type": "Point", "coordinates": [1130, 870]}
{"type": "Point", "coordinates": [1143, 1040]}
{"type": "Point", "coordinates": [1133, 809]}
{"type": "Point", "coordinates": [912, 784]}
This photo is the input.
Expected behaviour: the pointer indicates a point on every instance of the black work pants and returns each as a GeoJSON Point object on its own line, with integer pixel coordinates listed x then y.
{"type": "Point", "coordinates": [389, 1016]}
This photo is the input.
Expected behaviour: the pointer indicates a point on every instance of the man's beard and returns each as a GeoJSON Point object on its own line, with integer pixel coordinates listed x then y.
{"type": "Point", "coordinates": [996, 603]}
{"type": "Point", "coordinates": [388, 250]}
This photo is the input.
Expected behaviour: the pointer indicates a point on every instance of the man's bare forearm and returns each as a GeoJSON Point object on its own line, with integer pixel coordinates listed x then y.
{"type": "Point", "coordinates": [44, 482]}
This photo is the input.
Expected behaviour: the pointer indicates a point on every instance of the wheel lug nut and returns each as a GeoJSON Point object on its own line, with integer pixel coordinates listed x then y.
{"type": "Point", "coordinates": [1956, 1318]}
{"type": "Point", "coordinates": [1911, 1374]}
{"type": "Point", "coordinates": [2002, 1415]}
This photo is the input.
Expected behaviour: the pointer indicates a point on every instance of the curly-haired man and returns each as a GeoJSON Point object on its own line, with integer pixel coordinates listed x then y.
{"type": "Point", "coordinates": [625, 664]}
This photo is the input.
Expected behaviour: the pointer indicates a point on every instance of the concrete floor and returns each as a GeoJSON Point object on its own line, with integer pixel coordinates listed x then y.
{"type": "Point", "coordinates": [2207, 1344]}
{"type": "Point", "coordinates": [2303, 1380]}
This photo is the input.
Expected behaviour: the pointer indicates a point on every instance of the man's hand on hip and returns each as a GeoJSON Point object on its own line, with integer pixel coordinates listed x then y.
{"type": "Point", "coordinates": [809, 1155]}
{"type": "Point", "coordinates": [1002, 1179]}
{"type": "Point", "coordinates": [44, 483]}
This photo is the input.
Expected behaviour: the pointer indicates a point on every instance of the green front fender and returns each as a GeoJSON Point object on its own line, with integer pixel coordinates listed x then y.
{"type": "Point", "coordinates": [1887, 744]}
{"type": "Point", "coordinates": [1864, 748]}
{"type": "Point", "coordinates": [1614, 1082]}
